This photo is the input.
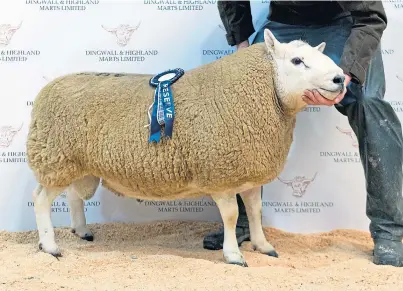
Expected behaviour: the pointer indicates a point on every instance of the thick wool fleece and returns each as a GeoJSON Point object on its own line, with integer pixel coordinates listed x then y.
{"type": "Point", "coordinates": [230, 129]}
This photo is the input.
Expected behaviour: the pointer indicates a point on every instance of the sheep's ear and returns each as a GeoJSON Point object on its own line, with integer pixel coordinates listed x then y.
{"type": "Point", "coordinates": [270, 40]}
{"type": "Point", "coordinates": [321, 47]}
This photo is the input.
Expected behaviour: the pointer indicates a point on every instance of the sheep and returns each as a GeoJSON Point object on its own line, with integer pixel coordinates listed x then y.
{"type": "Point", "coordinates": [233, 131]}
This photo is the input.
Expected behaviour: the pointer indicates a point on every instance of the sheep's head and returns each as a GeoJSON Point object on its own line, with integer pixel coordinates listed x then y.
{"type": "Point", "coordinates": [302, 67]}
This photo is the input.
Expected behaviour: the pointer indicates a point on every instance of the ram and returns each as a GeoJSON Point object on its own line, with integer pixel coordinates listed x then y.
{"type": "Point", "coordinates": [233, 128]}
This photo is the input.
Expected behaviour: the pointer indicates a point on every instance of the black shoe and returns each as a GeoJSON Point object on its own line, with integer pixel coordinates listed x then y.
{"type": "Point", "coordinates": [214, 240]}
{"type": "Point", "coordinates": [388, 252]}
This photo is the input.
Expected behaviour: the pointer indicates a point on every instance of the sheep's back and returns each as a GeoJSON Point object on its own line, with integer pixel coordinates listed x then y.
{"type": "Point", "coordinates": [226, 132]}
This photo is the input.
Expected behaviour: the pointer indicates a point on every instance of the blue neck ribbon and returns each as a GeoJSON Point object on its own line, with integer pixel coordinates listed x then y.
{"type": "Point", "coordinates": [163, 109]}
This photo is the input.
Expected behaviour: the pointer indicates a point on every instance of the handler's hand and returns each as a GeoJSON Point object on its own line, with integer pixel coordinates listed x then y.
{"type": "Point", "coordinates": [243, 44]}
{"type": "Point", "coordinates": [315, 98]}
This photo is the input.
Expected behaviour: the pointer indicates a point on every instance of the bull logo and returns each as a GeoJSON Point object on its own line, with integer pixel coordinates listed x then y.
{"type": "Point", "coordinates": [6, 33]}
{"type": "Point", "coordinates": [351, 135]}
{"type": "Point", "coordinates": [123, 33]}
{"type": "Point", "coordinates": [299, 184]}
{"type": "Point", "coordinates": [7, 134]}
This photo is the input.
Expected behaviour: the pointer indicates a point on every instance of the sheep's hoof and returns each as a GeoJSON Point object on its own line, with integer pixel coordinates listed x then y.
{"type": "Point", "coordinates": [243, 264]}
{"type": "Point", "coordinates": [267, 249]}
{"type": "Point", "coordinates": [52, 250]}
{"type": "Point", "coordinates": [235, 258]}
{"type": "Point", "coordinates": [272, 254]}
{"type": "Point", "coordinates": [83, 233]}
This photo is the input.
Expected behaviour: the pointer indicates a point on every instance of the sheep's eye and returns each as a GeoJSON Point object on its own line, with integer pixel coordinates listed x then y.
{"type": "Point", "coordinates": [296, 61]}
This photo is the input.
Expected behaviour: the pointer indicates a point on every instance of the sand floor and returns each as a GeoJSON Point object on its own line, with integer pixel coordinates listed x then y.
{"type": "Point", "coordinates": [170, 256]}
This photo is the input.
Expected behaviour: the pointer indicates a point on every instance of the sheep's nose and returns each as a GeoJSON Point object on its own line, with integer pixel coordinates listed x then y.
{"type": "Point", "coordinates": [339, 79]}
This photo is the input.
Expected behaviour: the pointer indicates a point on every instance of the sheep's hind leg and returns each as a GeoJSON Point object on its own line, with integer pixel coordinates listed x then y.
{"type": "Point", "coordinates": [43, 198]}
{"type": "Point", "coordinates": [253, 203]}
{"type": "Point", "coordinates": [228, 207]}
{"type": "Point", "coordinates": [80, 190]}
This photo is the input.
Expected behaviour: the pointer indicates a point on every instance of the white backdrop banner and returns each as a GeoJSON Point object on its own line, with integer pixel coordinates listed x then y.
{"type": "Point", "coordinates": [43, 39]}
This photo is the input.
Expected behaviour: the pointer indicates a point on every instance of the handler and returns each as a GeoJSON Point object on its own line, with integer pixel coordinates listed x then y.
{"type": "Point", "coordinates": [352, 31]}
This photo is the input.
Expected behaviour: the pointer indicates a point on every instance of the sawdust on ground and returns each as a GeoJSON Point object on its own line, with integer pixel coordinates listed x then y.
{"type": "Point", "coordinates": [170, 256]}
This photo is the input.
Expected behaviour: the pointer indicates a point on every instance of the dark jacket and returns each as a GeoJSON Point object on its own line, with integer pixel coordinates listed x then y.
{"type": "Point", "coordinates": [369, 24]}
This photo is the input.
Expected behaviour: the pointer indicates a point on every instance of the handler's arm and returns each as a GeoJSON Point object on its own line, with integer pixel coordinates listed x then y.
{"type": "Point", "coordinates": [369, 24]}
{"type": "Point", "coordinates": [236, 17]}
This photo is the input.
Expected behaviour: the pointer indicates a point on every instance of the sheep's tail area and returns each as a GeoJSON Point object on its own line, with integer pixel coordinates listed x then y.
{"type": "Point", "coordinates": [49, 169]}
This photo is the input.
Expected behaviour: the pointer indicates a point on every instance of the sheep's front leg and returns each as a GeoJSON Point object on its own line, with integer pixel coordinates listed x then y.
{"type": "Point", "coordinates": [228, 208]}
{"type": "Point", "coordinates": [43, 199]}
{"type": "Point", "coordinates": [253, 203]}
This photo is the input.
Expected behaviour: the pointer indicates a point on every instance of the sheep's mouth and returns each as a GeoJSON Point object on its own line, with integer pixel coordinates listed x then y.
{"type": "Point", "coordinates": [333, 91]}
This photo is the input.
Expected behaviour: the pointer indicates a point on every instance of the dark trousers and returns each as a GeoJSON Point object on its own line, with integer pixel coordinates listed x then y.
{"type": "Point", "coordinates": [373, 120]}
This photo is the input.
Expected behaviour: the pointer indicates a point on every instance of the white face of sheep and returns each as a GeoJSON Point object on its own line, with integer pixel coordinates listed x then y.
{"type": "Point", "coordinates": [302, 67]}
{"type": "Point", "coordinates": [123, 33]}
{"type": "Point", "coordinates": [6, 33]}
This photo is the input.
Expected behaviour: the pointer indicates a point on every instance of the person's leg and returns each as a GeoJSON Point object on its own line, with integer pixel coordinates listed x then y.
{"type": "Point", "coordinates": [379, 135]}
{"type": "Point", "coordinates": [214, 240]}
